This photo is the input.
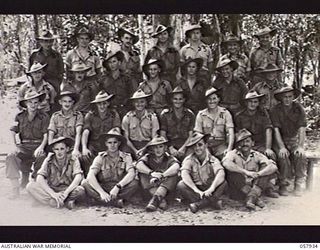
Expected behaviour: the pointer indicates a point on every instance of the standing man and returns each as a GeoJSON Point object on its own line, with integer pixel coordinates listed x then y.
{"type": "Point", "coordinates": [233, 46]}
{"type": "Point", "coordinates": [83, 54]}
{"type": "Point", "coordinates": [233, 89]}
{"type": "Point", "coordinates": [203, 178]}
{"type": "Point", "coordinates": [269, 84]}
{"type": "Point", "coordinates": [248, 171]}
{"type": "Point", "coordinates": [263, 55]}
{"type": "Point", "coordinates": [197, 49]}
{"type": "Point", "coordinates": [111, 178]}
{"type": "Point", "coordinates": [116, 82]}
{"type": "Point", "coordinates": [131, 63]}
{"type": "Point", "coordinates": [52, 58]}
{"type": "Point", "coordinates": [30, 137]}
{"type": "Point", "coordinates": [59, 177]}
{"type": "Point", "coordinates": [289, 122]}
{"type": "Point", "coordinates": [165, 51]}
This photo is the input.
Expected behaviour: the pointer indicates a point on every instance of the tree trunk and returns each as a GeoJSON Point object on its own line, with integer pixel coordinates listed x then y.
{"type": "Point", "coordinates": [234, 24]}
{"type": "Point", "coordinates": [142, 37]}
{"type": "Point", "coordinates": [217, 51]}
{"type": "Point", "coordinates": [176, 24]}
{"type": "Point", "coordinates": [35, 26]}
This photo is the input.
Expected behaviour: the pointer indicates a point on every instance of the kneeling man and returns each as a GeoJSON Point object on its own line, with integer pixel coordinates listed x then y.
{"type": "Point", "coordinates": [202, 175]}
{"type": "Point", "coordinates": [59, 177]}
{"type": "Point", "coordinates": [248, 170]}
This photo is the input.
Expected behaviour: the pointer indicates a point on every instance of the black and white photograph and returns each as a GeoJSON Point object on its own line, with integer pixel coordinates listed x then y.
{"type": "Point", "coordinates": [159, 119]}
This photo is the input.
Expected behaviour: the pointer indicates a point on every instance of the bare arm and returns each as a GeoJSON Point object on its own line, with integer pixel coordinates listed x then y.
{"type": "Point", "coordinates": [231, 138]}
{"type": "Point", "coordinates": [94, 182]}
{"type": "Point", "coordinates": [143, 168]}
{"type": "Point", "coordinates": [76, 182]}
{"type": "Point", "coordinates": [220, 177]}
{"type": "Point", "coordinates": [172, 170]}
{"type": "Point", "coordinates": [185, 175]}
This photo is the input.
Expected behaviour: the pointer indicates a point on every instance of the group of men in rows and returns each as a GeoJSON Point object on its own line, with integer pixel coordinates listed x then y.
{"type": "Point", "coordinates": [106, 134]}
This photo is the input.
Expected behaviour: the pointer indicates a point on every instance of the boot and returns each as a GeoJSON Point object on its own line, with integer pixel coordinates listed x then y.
{"type": "Point", "coordinates": [119, 203]}
{"type": "Point", "coordinates": [260, 203]}
{"type": "Point", "coordinates": [195, 206]}
{"type": "Point", "coordinates": [70, 204]}
{"type": "Point", "coordinates": [24, 179]}
{"type": "Point", "coordinates": [297, 190]}
{"type": "Point", "coordinates": [271, 193]}
{"type": "Point", "coordinates": [283, 191]}
{"type": "Point", "coordinates": [153, 204]}
{"type": "Point", "coordinates": [15, 193]}
{"type": "Point", "coordinates": [163, 204]}
{"type": "Point", "coordinates": [217, 205]}
{"type": "Point", "coordinates": [250, 202]}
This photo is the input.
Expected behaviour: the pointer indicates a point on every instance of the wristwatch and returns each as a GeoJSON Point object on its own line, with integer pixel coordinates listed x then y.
{"type": "Point", "coordinates": [119, 186]}
{"type": "Point", "coordinates": [150, 173]}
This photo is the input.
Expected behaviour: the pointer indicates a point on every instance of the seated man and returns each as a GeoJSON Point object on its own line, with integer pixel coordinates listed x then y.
{"type": "Point", "coordinates": [59, 177]}
{"type": "Point", "coordinates": [202, 176]}
{"type": "Point", "coordinates": [30, 137]}
{"type": "Point", "coordinates": [289, 121]}
{"type": "Point", "coordinates": [158, 172]}
{"type": "Point", "coordinates": [248, 171]}
{"type": "Point", "coordinates": [111, 178]}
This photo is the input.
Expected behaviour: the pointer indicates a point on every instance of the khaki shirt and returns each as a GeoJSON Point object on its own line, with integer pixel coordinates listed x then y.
{"type": "Point", "coordinates": [74, 57]}
{"type": "Point", "coordinates": [65, 126]}
{"type": "Point", "coordinates": [202, 174]}
{"type": "Point", "coordinates": [268, 101]}
{"type": "Point", "coordinates": [159, 96]}
{"type": "Point", "coordinates": [202, 51]}
{"type": "Point", "coordinates": [215, 125]}
{"type": "Point", "coordinates": [255, 161]}
{"type": "Point", "coordinates": [108, 169]}
{"type": "Point", "coordinates": [57, 176]}
{"type": "Point", "coordinates": [140, 129]}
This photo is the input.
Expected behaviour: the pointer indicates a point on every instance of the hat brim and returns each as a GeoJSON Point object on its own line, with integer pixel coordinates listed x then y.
{"type": "Point", "coordinates": [84, 70]}
{"type": "Point", "coordinates": [198, 61]}
{"type": "Point", "coordinates": [47, 38]}
{"type": "Point", "coordinates": [155, 144]}
{"type": "Point", "coordinates": [245, 137]}
{"type": "Point", "coordinates": [103, 99]}
{"type": "Point", "coordinates": [121, 32]}
{"type": "Point", "coordinates": [105, 137]}
{"type": "Point", "coordinates": [91, 36]}
{"type": "Point", "coordinates": [158, 62]}
{"type": "Point", "coordinates": [74, 96]}
{"type": "Point", "coordinates": [193, 142]}
{"type": "Point", "coordinates": [272, 33]}
{"type": "Point", "coordinates": [224, 43]}
{"type": "Point", "coordinates": [41, 97]}
{"type": "Point", "coordinates": [68, 141]}
{"type": "Point", "coordinates": [32, 71]}
{"type": "Point", "coordinates": [297, 93]}
{"type": "Point", "coordinates": [186, 33]}
{"type": "Point", "coordinates": [119, 55]}
{"type": "Point", "coordinates": [234, 65]}
{"type": "Point", "coordinates": [262, 71]}
{"type": "Point", "coordinates": [169, 29]}
{"type": "Point", "coordinates": [140, 97]}
{"type": "Point", "coordinates": [218, 93]}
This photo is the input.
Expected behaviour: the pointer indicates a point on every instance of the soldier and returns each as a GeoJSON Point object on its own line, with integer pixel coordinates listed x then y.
{"type": "Point", "coordinates": [155, 85]}
{"type": "Point", "coordinates": [197, 49]}
{"type": "Point", "coordinates": [257, 121]}
{"type": "Point", "coordinates": [194, 85]}
{"type": "Point", "coordinates": [158, 173]}
{"type": "Point", "coordinates": [233, 46]}
{"type": "Point", "coordinates": [139, 125]}
{"type": "Point", "coordinates": [289, 122]}
{"type": "Point", "coordinates": [165, 51]}
{"type": "Point", "coordinates": [83, 54]}
{"type": "Point", "coordinates": [111, 178]}
{"type": "Point", "coordinates": [216, 122]}
{"type": "Point", "coordinates": [99, 121]}
{"type": "Point", "coordinates": [233, 89]}
{"type": "Point", "coordinates": [67, 122]}
{"type": "Point", "coordinates": [116, 82]}
{"type": "Point", "coordinates": [263, 55]}
{"type": "Point", "coordinates": [177, 123]}
{"type": "Point", "coordinates": [248, 171]}
{"type": "Point", "coordinates": [59, 177]}
{"type": "Point", "coordinates": [30, 137]}
{"type": "Point", "coordinates": [47, 55]}
{"type": "Point", "coordinates": [37, 83]}
{"type": "Point", "coordinates": [203, 179]}
{"type": "Point", "coordinates": [131, 62]}
{"type": "Point", "coordinates": [80, 85]}
{"type": "Point", "coordinates": [268, 85]}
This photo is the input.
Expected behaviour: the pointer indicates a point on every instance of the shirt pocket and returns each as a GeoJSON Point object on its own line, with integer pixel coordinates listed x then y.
{"type": "Point", "coordinates": [133, 130]}
{"type": "Point", "coordinates": [146, 128]}
{"type": "Point", "coordinates": [219, 128]}
{"type": "Point", "coordinates": [207, 126]}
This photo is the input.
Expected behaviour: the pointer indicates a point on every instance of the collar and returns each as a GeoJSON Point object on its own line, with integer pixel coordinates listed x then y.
{"type": "Point", "coordinates": [251, 154]}
{"type": "Point", "coordinates": [61, 114]}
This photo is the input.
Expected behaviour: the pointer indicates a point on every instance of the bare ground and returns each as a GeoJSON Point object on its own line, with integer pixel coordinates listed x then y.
{"type": "Point", "coordinates": [283, 211]}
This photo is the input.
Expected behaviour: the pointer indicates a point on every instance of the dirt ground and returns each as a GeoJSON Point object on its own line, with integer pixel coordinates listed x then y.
{"type": "Point", "coordinates": [283, 211]}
